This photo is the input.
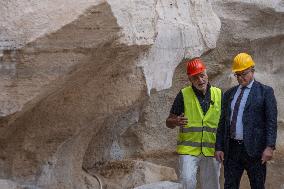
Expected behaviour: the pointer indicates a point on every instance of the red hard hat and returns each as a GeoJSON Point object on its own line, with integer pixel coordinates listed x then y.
{"type": "Point", "coordinates": [195, 66]}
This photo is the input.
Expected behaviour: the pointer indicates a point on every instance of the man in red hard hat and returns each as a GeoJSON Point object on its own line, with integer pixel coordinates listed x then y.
{"type": "Point", "coordinates": [196, 112]}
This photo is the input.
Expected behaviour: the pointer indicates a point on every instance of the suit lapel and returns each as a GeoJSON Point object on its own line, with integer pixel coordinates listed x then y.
{"type": "Point", "coordinates": [231, 97]}
{"type": "Point", "coordinates": [250, 96]}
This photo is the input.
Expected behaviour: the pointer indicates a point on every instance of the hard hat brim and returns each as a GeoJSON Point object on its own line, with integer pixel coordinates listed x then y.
{"type": "Point", "coordinates": [197, 72]}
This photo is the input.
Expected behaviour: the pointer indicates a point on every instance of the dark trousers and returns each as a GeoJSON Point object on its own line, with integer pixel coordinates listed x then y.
{"type": "Point", "coordinates": [238, 161]}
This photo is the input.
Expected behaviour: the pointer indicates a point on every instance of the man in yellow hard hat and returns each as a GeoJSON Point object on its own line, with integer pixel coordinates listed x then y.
{"type": "Point", "coordinates": [196, 112]}
{"type": "Point", "coordinates": [247, 129]}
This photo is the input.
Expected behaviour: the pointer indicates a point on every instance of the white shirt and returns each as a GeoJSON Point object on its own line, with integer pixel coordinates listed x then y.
{"type": "Point", "coordinates": [239, 124]}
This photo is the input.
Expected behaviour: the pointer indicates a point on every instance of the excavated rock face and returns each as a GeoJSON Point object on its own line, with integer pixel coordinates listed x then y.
{"type": "Point", "coordinates": [128, 174]}
{"type": "Point", "coordinates": [161, 185]}
{"type": "Point", "coordinates": [90, 83]}
{"type": "Point", "coordinates": [66, 93]}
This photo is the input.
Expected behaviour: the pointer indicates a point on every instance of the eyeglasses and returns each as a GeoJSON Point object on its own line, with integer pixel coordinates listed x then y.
{"type": "Point", "coordinates": [243, 74]}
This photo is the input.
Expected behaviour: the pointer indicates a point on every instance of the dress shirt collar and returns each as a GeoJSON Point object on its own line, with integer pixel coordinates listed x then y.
{"type": "Point", "coordinates": [248, 86]}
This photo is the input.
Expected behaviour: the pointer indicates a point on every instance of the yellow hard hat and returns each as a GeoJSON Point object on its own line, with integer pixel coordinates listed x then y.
{"type": "Point", "coordinates": [242, 61]}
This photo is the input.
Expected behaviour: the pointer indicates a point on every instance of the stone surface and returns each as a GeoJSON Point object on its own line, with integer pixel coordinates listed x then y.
{"type": "Point", "coordinates": [7, 184]}
{"type": "Point", "coordinates": [25, 21]}
{"type": "Point", "coordinates": [90, 83]}
{"type": "Point", "coordinates": [130, 174]}
{"type": "Point", "coordinates": [161, 185]}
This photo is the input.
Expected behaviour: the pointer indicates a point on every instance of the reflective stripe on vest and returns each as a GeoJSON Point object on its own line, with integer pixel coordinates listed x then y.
{"type": "Point", "coordinates": [197, 144]}
{"type": "Point", "coordinates": [197, 129]}
{"type": "Point", "coordinates": [199, 135]}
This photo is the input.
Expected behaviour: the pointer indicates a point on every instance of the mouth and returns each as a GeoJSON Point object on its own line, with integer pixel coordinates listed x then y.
{"type": "Point", "coordinates": [201, 84]}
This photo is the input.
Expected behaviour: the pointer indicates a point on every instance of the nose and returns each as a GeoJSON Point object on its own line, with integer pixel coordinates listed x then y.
{"type": "Point", "coordinates": [199, 79]}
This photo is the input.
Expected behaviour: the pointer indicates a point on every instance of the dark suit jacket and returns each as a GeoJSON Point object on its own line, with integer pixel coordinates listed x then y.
{"type": "Point", "coordinates": [259, 120]}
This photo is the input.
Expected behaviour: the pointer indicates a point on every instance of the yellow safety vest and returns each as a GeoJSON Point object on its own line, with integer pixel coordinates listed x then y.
{"type": "Point", "coordinates": [199, 135]}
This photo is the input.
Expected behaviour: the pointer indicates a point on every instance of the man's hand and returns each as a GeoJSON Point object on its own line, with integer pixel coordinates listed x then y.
{"type": "Point", "coordinates": [267, 155]}
{"type": "Point", "coordinates": [219, 155]}
{"type": "Point", "coordinates": [174, 120]}
{"type": "Point", "coordinates": [181, 120]}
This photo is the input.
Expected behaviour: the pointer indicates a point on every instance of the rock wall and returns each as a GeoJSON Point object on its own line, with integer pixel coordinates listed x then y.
{"type": "Point", "coordinates": [87, 86]}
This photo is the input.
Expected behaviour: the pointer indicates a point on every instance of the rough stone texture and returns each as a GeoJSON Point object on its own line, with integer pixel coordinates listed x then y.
{"type": "Point", "coordinates": [8, 184]}
{"type": "Point", "coordinates": [161, 185]}
{"type": "Point", "coordinates": [185, 32]}
{"type": "Point", "coordinates": [130, 174]}
{"type": "Point", "coordinates": [74, 79]}
{"type": "Point", "coordinates": [25, 21]}
{"type": "Point", "coordinates": [90, 83]}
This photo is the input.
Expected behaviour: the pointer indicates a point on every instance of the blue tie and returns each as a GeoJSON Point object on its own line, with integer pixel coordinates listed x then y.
{"type": "Point", "coordinates": [235, 113]}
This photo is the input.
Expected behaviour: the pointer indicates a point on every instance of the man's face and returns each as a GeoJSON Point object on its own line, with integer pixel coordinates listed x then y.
{"type": "Point", "coordinates": [244, 77]}
{"type": "Point", "coordinates": [199, 81]}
